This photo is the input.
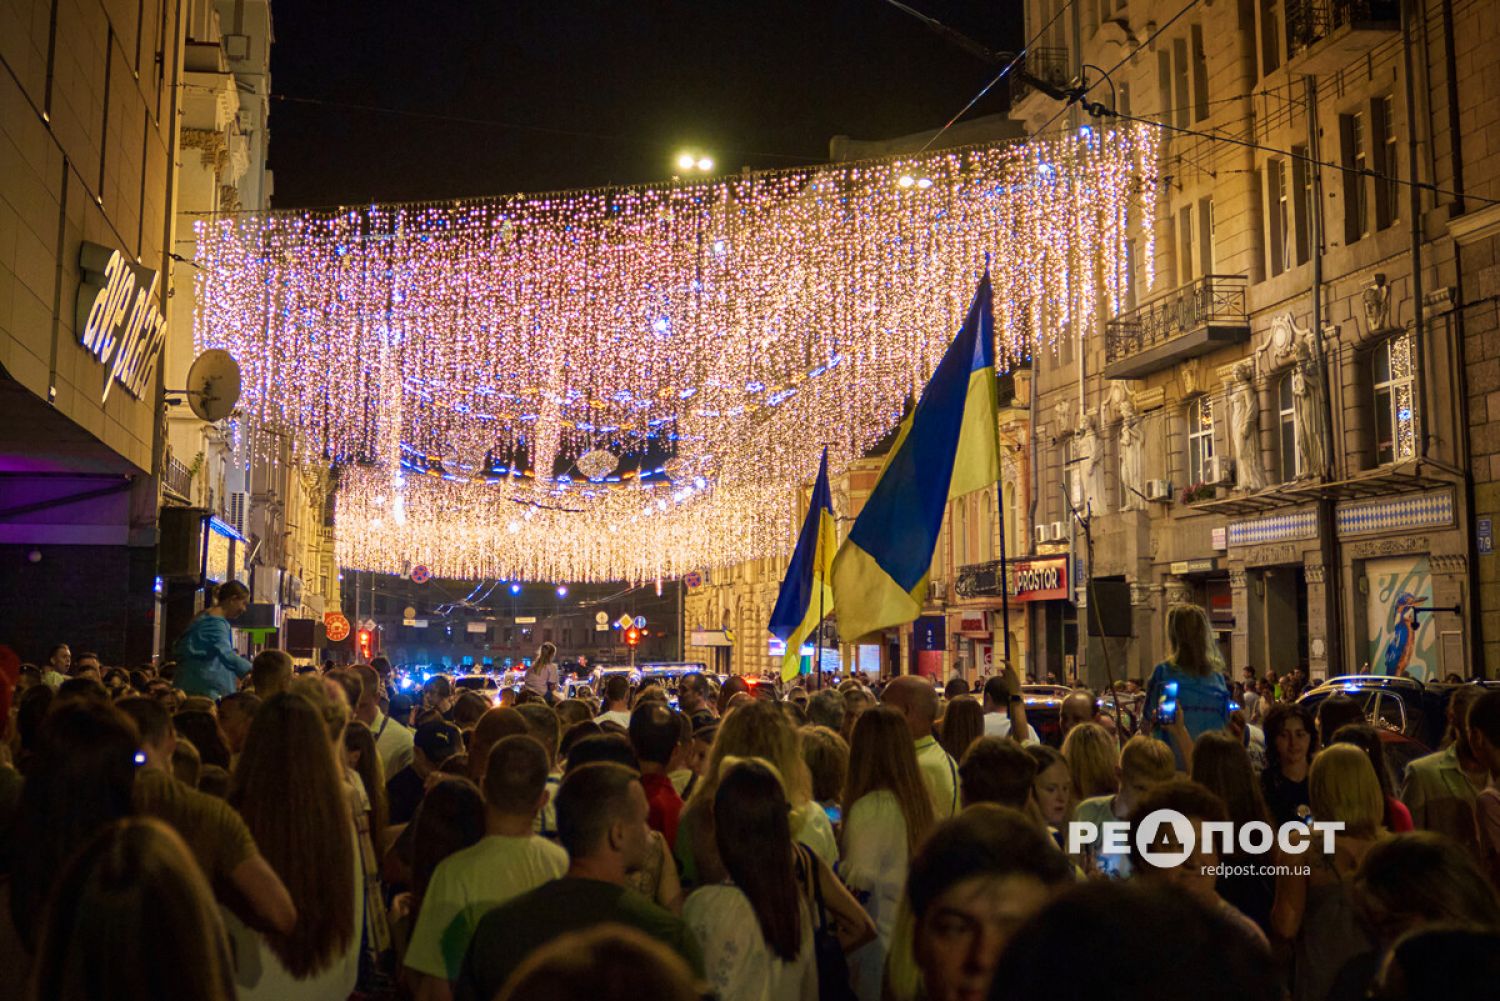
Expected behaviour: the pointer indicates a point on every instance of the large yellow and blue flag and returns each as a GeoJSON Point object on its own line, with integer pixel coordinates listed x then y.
{"type": "Point", "coordinates": [805, 597]}
{"type": "Point", "coordinates": [947, 447]}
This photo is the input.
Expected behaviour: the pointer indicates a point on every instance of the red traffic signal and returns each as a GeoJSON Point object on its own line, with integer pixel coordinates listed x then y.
{"type": "Point", "coordinates": [632, 636]}
{"type": "Point", "coordinates": [362, 638]}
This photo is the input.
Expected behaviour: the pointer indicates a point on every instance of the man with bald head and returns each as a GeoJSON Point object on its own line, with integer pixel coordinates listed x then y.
{"type": "Point", "coordinates": [913, 696]}
{"type": "Point", "coordinates": [1080, 707]}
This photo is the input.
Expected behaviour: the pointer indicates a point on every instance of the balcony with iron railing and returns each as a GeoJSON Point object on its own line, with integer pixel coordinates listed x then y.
{"type": "Point", "coordinates": [1324, 36]}
{"type": "Point", "coordinates": [1048, 65]}
{"type": "Point", "coordinates": [177, 480]}
{"type": "Point", "coordinates": [1193, 320]}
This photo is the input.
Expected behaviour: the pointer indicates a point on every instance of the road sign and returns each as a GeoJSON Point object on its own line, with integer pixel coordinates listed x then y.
{"type": "Point", "coordinates": [525, 620]}
{"type": "Point", "coordinates": [420, 574]}
{"type": "Point", "coordinates": [336, 626]}
{"type": "Point", "coordinates": [409, 612]}
{"type": "Point", "coordinates": [640, 622]}
{"type": "Point", "coordinates": [601, 619]}
{"type": "Point", "coordinates": [624, 622]}
{"type": "Point", "coordinates": [368, 624]}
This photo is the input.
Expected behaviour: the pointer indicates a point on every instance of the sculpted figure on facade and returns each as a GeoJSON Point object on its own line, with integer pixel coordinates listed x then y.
{"type": "Point", "coordinates": [1132, 483]}
{"type": "Point", "coordinates": [1244, 424]}
{"type": "Point", "coordinates": [1307, 413]}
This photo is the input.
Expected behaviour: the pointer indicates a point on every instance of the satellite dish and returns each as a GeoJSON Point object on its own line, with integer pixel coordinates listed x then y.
{"type": "Point", "coordinates": [213, 385]}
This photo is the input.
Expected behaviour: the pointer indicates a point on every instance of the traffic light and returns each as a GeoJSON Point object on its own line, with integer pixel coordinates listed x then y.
{"type": "Point", "coordinates": [362, 639]}
{"type": "Point", "coordinates": [632, 636]}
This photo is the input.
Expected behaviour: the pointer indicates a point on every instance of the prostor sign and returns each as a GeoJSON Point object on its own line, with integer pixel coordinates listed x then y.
{"type": "Point", "coordinates": [119, 320]}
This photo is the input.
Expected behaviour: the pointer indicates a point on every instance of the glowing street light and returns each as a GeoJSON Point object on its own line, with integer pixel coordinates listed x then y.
{"type": "Point", "coordinates": [686, 162]}
{"type": "Point", "coordinates": [689, 162]}
{"type": "Point", "coordinates": [562, 590]}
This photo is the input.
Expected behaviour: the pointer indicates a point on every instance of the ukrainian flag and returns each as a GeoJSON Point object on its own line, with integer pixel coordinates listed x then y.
{"type": "Point", "coordinates": [805, 595]}
{"type": "Point", "coordinates": [947, 447]}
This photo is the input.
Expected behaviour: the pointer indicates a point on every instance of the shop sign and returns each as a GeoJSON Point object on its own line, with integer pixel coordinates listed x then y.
{"type": "Point", "coordinates": [974, 622]}
{"type": "Point", "coordinates": [1040, 580]}
{"type": "Point", "coordinates": [336, 625]}
{"type": "Point", "coordinates": [119, 320]}
{"type": "Point", "coordinates": [1194, 566]}
{"type": "Point", "coordinates": [1220, 538]}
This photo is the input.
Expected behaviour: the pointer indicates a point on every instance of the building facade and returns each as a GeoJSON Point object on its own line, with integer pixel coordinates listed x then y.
{"type": "Point", "coordinates": [265, 520]}
{"type": "Point", "coordinates": [1278, 426]}
{"type": "Point", "coordinates": [89, 99]}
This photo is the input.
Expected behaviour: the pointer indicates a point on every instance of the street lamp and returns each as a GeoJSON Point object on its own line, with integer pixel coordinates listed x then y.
{"type": "Point", "coordinates": [562, 590]}
{"type": "Point", "coordinates": [689, 162]}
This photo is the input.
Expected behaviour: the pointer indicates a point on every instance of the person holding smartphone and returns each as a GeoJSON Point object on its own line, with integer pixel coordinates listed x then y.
{"type": "Point", "coordinates": [1189, 686]}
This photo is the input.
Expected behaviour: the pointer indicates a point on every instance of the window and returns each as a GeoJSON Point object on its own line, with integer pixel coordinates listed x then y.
{"type": "Point", "coordinates": [1185, 271]}
{"type": "Point", "coordinates": [1279, 216]}
{"type": "Point", "coordinates": [1182, 98]}
{"type": "Point", "coordinates": [1352, 133]}
{"type": "Point", "coordinates": [1388, 184]}
{"type": "Point", "coordinates": [1304, 202]}
{"type": "Point", "coordinates": [1270, 38]}
{"type": "Point", "coordinates": [1200, 76]}
{"type": "Point", "coordinates": [1286, 427]}
{"type": "Point", "coordinates": [1195, 240]}
{"type": "Point", "coordinates": [1395, 407]}
{"type": "Point", "coordinates": [1164, 85]}
{"type": "Point", "coordinates": [1200, 438]}
{"type": "Point", "coordinates": [1206, 236]}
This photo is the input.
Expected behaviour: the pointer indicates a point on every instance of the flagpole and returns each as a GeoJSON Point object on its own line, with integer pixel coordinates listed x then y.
{"type": "Point", "coordinates": [1004, 573]}
{"type": "Point", "coordinates": [818, 654]}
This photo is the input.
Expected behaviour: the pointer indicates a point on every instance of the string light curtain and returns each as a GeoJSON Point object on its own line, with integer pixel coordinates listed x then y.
{"type": "Point", "coordinates": [456, 359]}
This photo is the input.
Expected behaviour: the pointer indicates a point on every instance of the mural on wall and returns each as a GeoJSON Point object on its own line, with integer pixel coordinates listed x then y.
{"type": "Point", "coordinates": [1402, 641]}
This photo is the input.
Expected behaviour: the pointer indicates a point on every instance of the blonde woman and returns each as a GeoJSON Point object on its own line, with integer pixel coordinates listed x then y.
{"type": "Point", "coordinates": [1188, 687]}
{"type": "Point", "coordinates": [1093, 758]}
{"type": "Point", "coordinates": [1315, 912]}
{"type": "Point", "coordinates": [887, 815]}
{"type": "Point", "coordinates": [757, 729]}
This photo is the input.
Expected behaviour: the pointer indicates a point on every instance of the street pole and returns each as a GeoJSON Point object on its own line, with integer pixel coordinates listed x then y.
{"type": "Point", "coordinates": [1004, 572]}
{"type": "Point", "coordinates": [818, 649]}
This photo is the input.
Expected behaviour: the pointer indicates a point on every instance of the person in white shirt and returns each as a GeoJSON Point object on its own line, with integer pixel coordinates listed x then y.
{"type": "Point", "coordinates": [756, 929]}
{"type": "Point", "coordinates": [1002, 696]}
{"type": "Point", "coordinates": [393, 742]}
{"type": "Point", "coordinates": [616, 692]}
{"type": "Point", "coordinates": [541, 675]}
{"type": "Point", "coordinates": [508, 861]}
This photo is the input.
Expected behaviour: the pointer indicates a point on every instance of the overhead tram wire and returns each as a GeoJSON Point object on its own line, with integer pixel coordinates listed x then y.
{"type": "Point", "coordinates": [974, 48]}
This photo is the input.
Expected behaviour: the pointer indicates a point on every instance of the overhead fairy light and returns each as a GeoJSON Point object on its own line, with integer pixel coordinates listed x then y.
{"type": "Point", "coordinates": [734, 326]}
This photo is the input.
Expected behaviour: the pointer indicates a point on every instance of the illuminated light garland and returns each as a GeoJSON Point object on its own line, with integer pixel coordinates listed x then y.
{"type": "Point", "coordinates": [737, 325]}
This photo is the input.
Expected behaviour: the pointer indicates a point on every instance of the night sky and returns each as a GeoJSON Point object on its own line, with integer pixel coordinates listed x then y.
{"type": "Point", "coordinates": [608, 90]}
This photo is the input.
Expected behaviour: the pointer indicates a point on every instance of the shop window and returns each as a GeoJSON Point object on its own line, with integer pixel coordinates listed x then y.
{"type": "Point", "coordinates": [1286, 426]}
{"type": "Point", "coordinates": [1200, 438]}
{"type": "Point", "coordinates": [1394, 371]}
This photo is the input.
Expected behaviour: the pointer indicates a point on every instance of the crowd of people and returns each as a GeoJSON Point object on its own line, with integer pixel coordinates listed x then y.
{"type": "Point", "coordinates": [221, 830]}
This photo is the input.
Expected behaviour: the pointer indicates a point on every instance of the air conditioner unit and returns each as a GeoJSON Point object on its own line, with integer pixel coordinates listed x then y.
{"type": "Point", "coordinates": [1158, 490]}
{"type": "Point", "coordinates": [1059, 531]}
{"type": "Point", "coordinates": [1218, 469]}
{"type": "Point", "coordinates": [1042, 533]}
{"type": "Point", "coordinates": [237, 511]}
{"type": "Point", "coordinates": [936, 589]}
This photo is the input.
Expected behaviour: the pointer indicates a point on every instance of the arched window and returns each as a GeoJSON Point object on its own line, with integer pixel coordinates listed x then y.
{"type": "Point", "coordinates": [1394, 365]}
{"type": "Point", "coordinates": [1200, 438]}
{"type": "Point", "coordinates": [1286, 427]}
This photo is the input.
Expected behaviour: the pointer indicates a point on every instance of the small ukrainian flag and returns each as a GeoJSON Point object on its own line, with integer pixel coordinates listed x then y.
{"type": "Point", "coordinates": [947, 447]}
{"type": "Point", "coordinates": [805, 597]}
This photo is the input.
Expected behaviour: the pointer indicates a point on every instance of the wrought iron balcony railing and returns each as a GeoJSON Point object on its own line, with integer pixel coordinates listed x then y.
{"type": "Point", "coordinates": [1309, 22]}
{"type": "Point", "coordinates": [1193, 320]}
{"type": "Point", "coordinates": [178, 479]}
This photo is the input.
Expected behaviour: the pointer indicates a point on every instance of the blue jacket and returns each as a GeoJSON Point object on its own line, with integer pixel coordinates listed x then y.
{"type": "Point", "coordinates": [206, 661]}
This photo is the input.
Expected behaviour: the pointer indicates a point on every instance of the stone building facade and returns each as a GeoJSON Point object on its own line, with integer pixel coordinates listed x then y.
{"type": "Point", "coordinates": [1278, 433]}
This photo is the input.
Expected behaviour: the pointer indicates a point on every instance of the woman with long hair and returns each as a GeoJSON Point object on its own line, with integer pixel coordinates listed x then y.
{"type": "Point", "coordinates": [1052, 799]}
{"type": "Point", "coordinates": [757, 729]}
{"type": "Point", "coordinates": [450, 818]}
{"type": "Point", "coordinates": [207, 663]}
{"type": "Point", "coordinates": [541, 673]}
{"type": "Point", "coordinates": [961, 725]}
{"type": "Point", "coordinates": [1291, 740]}
{"type": "Point", "coordinates": [290, 789]}
{"type": "Point", "coordinates": [1190, 681]}
{"type": "Point", "coordinates": [756, 931]}
{"type": "Point", "coordinates": [1093, 757]}
{"type": "Point", "coordinates": [133, 917]}
{"type": "Point", "coordinates": [361, 757]}
{"type": "Point", "coordinates": [887, 814]}
{"type": "Point", "coordinates": [1221, 764]}
{"type": "Point", "coordinates": [1315, 912]}
{"type": "Point", "coordinates": [81, 779]}
{"type": "Point", "coordinates": [202, 728]}
{"type": "Point", "coordinates": [1367, 739]}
